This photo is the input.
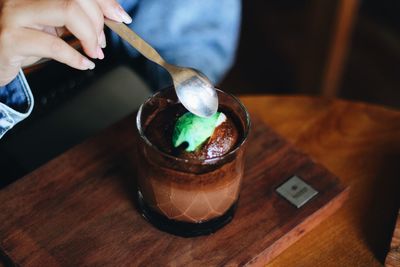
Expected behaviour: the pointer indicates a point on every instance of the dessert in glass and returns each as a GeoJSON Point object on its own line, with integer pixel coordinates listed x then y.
{"type": "Point", "coordinates": [190, 168]}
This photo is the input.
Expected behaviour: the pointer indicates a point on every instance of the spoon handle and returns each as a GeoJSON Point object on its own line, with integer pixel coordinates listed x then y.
{"type": "Point", "coordinates": [136, 41]}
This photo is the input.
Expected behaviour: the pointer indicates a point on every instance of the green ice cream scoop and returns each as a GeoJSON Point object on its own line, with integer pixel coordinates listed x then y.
{"type": "Point", "coordinates": [194, 130]}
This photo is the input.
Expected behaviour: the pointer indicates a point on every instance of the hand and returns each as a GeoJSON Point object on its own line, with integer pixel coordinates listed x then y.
{"type": "Point", "coordinates": [29, 31]}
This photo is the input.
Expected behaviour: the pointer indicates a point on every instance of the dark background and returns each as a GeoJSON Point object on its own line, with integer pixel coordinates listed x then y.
{"type": "Point", "coordinates": [285, 46]}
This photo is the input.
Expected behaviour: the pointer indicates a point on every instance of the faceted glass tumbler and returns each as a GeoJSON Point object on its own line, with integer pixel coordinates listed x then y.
{"type": "Point", "coordinates": [189, 197]}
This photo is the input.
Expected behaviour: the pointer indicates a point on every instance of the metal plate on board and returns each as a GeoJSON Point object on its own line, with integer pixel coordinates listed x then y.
{"type": "Point", "coordinates": [296, 191]}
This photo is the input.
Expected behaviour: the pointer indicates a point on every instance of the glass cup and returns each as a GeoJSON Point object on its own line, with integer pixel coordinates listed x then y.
{"type": "Point", "coordinates": [189, 197]}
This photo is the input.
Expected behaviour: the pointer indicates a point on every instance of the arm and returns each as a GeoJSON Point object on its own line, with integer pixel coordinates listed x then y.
{"type": "Point", "coordinates": [16, 103]}
{"type": "Point", "coordinates": [29, 30]}
{"type": "Point", "coordinates": [200, 34]}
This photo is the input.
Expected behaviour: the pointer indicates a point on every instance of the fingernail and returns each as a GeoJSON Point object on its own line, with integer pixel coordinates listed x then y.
{"type": "Point", "coordinates": [102, 40]}
{"type": "Point", "coordinates": [123, 15]}
{"type": "Point", "coordinates": [88, 64]}
{"type": "Point", "coordinates": [100, 54]}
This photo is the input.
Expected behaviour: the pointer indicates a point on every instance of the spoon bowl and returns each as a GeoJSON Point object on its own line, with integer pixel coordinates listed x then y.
{"type": "Point", "coordinates": [195, 91]}
{"type": "Point", "coordinates": [193, 88]}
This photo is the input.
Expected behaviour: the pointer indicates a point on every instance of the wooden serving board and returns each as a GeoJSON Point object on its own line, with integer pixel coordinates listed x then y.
{"type": "Point", "coordinates": [393, 257]}
{"type": "Point", "coordinates": [80, 210]}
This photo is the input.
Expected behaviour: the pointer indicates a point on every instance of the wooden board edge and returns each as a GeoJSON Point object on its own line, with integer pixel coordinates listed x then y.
{"type": "Point", "coordinates": [393, 256]}
{"type": "Point", "coordinates": [301, 229]}
{"type": "Point", "coordinates": [5, 259]}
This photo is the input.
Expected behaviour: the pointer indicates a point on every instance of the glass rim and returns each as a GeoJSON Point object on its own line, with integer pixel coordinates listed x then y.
{"type": "Point", "coordinates": [204, 161]}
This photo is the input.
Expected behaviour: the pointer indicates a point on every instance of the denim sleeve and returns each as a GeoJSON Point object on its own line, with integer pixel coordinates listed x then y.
{"type": "Point", "coordinates": [16, 103]}
{"type": "Point", "coordinates": [192, 33]}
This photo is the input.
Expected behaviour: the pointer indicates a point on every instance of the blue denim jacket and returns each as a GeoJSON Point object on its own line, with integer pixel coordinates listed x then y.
{"type": "Point", "coordinates": [193, 33]}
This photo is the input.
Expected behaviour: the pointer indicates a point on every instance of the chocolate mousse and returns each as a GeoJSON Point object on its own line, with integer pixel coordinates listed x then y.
{"type": "Point", "coordinates": [191, 168]}
{"type": "Point", "coordinates": [185, 196]}
{"type": "Point", "coordinates": [160, 131]}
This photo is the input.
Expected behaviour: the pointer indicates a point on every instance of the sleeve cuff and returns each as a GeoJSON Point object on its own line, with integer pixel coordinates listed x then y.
{"type": "Point", "coordinates": [16, 103]}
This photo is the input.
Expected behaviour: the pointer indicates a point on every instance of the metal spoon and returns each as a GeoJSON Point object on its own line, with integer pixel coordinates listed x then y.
{"type": "Point", "coordinates": [194, 90]}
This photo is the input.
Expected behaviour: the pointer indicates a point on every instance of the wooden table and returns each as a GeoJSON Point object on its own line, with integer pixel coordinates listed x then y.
{"type": "Point", "coordinates": [358, 142]}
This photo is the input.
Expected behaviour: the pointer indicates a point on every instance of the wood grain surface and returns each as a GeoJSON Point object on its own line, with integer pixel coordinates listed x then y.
{"type": "Point", "coordinates": [358, 142]}
{"type": "Point", "coordinates": [393, 257]}
{"type": "Point", "coordinates": [79, 209]}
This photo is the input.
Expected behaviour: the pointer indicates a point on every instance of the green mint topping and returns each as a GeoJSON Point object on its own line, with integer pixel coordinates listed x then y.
{"type": "Point", "coordinates": [194, 130]}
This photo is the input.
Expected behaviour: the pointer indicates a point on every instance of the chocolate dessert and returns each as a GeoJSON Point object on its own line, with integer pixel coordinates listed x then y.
{"type": "Point", "coordinates": [160, 133]}
{"type": "Point", "coordinates": [191, 169]}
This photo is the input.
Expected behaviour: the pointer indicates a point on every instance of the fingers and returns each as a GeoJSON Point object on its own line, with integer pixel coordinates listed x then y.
{"type": "Point", "coordinates": [92, 9]}
{"type": "Point", "coordinates": [83, 18]}
{"type": "Point", "coordinates": [68, 13]}
{"type": "Point", "coordinates": [43, 45]}
{"type": "Point", "coordinates": [113, 10]}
